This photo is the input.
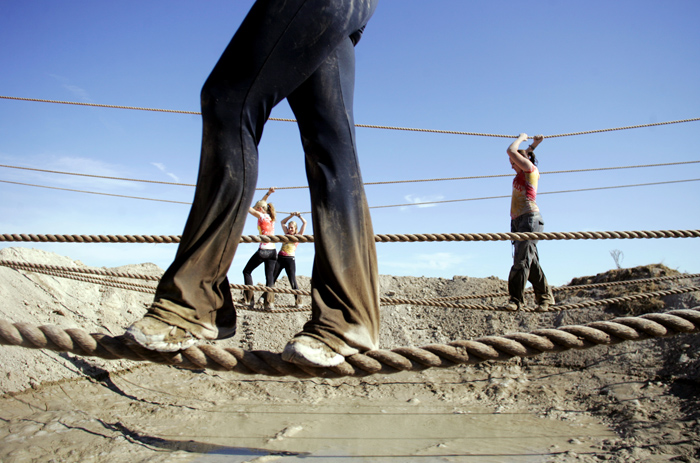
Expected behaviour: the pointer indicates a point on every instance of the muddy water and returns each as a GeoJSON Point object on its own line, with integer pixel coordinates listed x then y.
{"type": "Point", "coordinates": [159, 414]}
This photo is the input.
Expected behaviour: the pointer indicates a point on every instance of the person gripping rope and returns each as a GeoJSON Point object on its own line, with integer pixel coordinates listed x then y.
{"type": "Point", "coordinates": [266, 253]}
{"type": "Point", "coordinates": [286, 257]}
{"type": "Point", "coordinates": [301, 50]}
{"type": "Point", "coordinates": [525, 217]}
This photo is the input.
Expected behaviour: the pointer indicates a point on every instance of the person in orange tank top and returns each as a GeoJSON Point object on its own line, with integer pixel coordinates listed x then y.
{"type": "Point", "coordinates": [266, 253]}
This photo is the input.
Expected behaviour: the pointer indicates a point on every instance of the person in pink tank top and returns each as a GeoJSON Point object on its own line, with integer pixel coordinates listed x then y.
{"type": "Point", "coordinates": [525, 217]}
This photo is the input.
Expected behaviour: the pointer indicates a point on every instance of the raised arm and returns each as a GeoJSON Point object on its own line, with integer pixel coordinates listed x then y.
{"type": "Point", "coordinates": [269, 192]}
{"type": "Point", "coordinates": [285, 220]}
{"type": "Point", "coordinates": [536, 140]}
{"type": "Point", "coordinates": [522, 162]}
{"type": "Point", "coordinates": [259, 214]}
{"type": "Point", "coordinates": [303, 224]}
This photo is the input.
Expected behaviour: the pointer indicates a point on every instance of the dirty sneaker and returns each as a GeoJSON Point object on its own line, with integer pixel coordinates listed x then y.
{"type": "Point", "coordinates": [543, 306]}
{"type": "Point", "coordinates": [308, 351]}
{"type": "Point", "coordinates": [512, 306]}
{"type": "Point", "coordinates": [157, 335]}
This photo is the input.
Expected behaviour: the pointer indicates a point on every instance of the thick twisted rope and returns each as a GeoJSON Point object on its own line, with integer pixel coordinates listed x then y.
{"type": "Point", "coordinates": [382, 238]}
{"type": "Point", "coordinates": [467, 352]}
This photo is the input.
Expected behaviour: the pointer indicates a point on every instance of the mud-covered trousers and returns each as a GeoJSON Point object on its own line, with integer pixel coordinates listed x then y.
{"type": "Point", "coordinates": [526, 262]}
{"type": "Point", "coordinates": [302, 50]}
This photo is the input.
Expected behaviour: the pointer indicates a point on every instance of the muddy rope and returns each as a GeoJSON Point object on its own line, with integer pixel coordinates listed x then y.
{"type": "Point", "coordinates": [466, 352]}
{"type": "Point", "coordinates": [382, 238]}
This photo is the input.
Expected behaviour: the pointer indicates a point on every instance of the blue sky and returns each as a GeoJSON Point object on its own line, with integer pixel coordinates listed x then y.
{"type": "Point", "coordinates": [503, 67]}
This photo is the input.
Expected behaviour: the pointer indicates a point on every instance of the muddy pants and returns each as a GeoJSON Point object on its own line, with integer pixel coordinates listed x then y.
{"type": "Point", "coordinates": [526, 262]}
{"type": "Point", "coordinates": [302, 50]}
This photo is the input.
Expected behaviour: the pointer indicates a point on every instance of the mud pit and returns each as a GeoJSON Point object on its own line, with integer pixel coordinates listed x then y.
{"type": "Point", "coordinates": [161, 414]}
{"type": "Point", "coordinates": [635, 401]}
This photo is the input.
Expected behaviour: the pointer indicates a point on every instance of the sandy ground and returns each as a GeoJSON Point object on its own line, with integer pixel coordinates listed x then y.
{"type": "Point", "coordinates": [629, 402]}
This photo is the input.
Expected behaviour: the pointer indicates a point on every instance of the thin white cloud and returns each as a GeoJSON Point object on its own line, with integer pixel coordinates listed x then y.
{"type": "Point", "coordinates": [161, 167]}
{"type": "Point", "coordinates": [421, 199]}
{"type": "Point", "coordinates": [79, 92]}
{"type": "Point", "coordinates": [82, 94]}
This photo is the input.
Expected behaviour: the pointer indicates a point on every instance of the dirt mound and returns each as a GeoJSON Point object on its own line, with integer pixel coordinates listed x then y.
{"type": "Point", "coordinates": [643, 394]}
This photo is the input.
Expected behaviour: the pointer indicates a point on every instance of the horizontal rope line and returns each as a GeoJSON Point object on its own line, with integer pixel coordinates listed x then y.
{"type": "Point", "coordinates": [380, 238]}
{"type": "Point", "coordinates": [423, 203]}
{"type": "Point", "coordinates": [80, 275]}
{"type": "Point", "coordinates": [388, 182]}
{"type": "Point", "coordinates": [29, 266]}
{"type": "Point", "coordinates": [95, 193]}
{"type": "Point", "coordinates": [371, 126]}
{"type": "Point", "coordinates": [460, 352]}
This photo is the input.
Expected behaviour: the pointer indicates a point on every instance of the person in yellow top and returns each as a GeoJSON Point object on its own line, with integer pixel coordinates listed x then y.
{"type": "Point", "coordinates": [285, 258]}
{"type": "Point", "coordinates": [525, 217]}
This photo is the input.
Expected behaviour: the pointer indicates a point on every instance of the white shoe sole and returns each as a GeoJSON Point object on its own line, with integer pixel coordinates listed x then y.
{"type": "Point", "coordinates": [157, 342]}
{"type": "Point", "coordinates": [310, 352]}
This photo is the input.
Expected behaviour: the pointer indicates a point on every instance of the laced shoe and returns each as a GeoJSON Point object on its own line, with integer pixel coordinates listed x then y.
{"type": "Point", "coordinates": [154, 334]}
{"type": "Point", "coordinates": [308, 351]}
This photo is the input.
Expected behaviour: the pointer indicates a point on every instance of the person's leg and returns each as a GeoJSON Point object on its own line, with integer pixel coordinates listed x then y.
{"type": "Point", "coordinates": [292, 276]}
{"type": "Point", "coordinates": [276, 48]}
{"type": "Point", "coordinates": [253, 263]}
{"type": "Point", "coordinates": [270, 263]}
{"type": "Point", "coordinates": [291, 269]}
{"type": "Point", "coordinates": [522, 258]}
{"type": "Point", "coordinates": [543, 293]}
{"type": "Point", "coordinates": [278, 268]}
{"type": "Point", "coordinates": [345, 296]}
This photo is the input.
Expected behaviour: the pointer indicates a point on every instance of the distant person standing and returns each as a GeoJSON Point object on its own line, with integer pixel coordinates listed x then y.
{"type": "Point", "coordinates": [525, 217]}
{"type": "Point", "coordinates": [266, 253]}
{"type": "Point", "coordinates": [286, 257]}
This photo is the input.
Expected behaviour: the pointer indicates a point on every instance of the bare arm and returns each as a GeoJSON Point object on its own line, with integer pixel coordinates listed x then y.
{"type": "Point", "coordinates": [269, 192]}
{"type": "Point", "coordinates": [522, 162]}
{"type": "Point", "coordinates": [285, 220]}
{"type": "Point", "coordinates": [264, 198]}
{"type": "Point", "coordinates": [537, 139]}
{"type": "Point", "coordinates": [303, 224]}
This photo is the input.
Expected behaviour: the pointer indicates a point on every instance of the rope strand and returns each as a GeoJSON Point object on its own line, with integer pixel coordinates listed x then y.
{"type": "Point", "coordinates": [370, 126]}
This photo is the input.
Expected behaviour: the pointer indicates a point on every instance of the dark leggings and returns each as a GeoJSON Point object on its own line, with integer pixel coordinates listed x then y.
{"type": "Point", "coordinates": [302, 50]}
{"type": "Point", "coordinates": [287, 264]}
{"type": "Point", "coordinates": [269, 258]}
